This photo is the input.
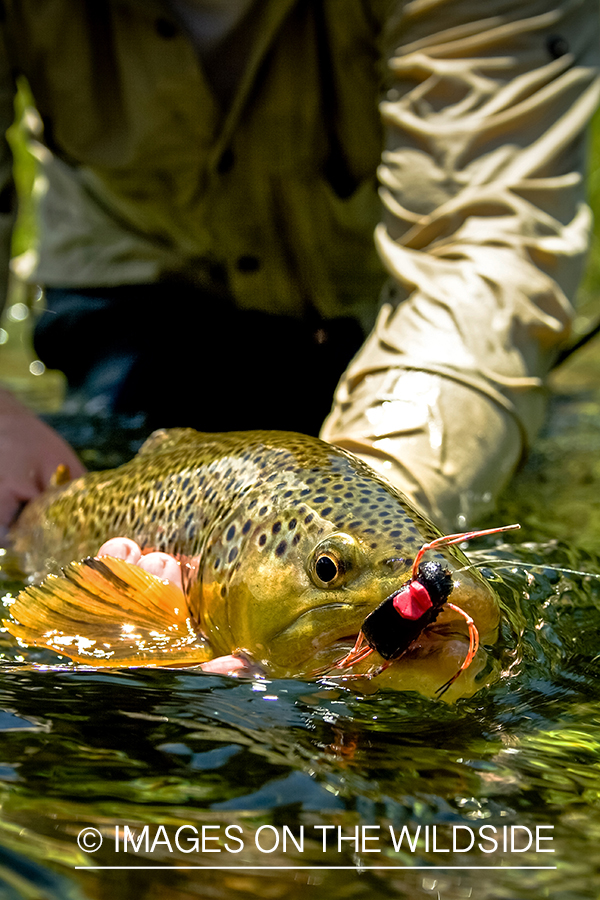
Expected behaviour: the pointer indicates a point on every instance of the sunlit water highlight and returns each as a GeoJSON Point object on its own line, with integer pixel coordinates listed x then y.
{"type": "Point", "coordinates": [135, 748]}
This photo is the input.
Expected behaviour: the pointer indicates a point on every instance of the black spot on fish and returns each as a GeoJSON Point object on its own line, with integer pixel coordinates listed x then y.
{"type": "Point", "coordinates": [280, 548]}
{"type": "Point", "coordinates": [233, 554]}
{"type": "Point", "coordinates": [326, 511]}
{"type": "Point", "coordinates": [395, 533]}
{"type": "Point", "coordinates": [296, 539]}
{"type": "Point", "coordinates": [230, 534]}
{"type": "Point", "coordinates": [308, 519]}
{"type": "Point", "coordinates": [252, 504]}
{"type": "Point", "coordinates": [223, 590]}
{"type": "Point", "coordinates": [288, 494]}
{"type": "Point", "coordinates": [262, 510]}
{"type": "Point", "coordinates": [217, 563]}
{"type": "Point", "coordinates": [291, 524]}
{"type": "Point", "coordinates": [276, 528]}
{"type": "Point", "coordinates": [247, 526]}
{"type": "Point", "coordinates": [354, 524]}
{"type": "Point", "coordinates": [262, 540]}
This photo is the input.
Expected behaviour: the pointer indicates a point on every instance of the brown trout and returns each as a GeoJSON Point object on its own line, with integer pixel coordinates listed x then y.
{"type": "Point", "coordinates": [252, 516]}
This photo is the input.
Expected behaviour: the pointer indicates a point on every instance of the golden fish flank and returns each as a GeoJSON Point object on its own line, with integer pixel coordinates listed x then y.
{"type": "Point", "coordinates": [287, 544]}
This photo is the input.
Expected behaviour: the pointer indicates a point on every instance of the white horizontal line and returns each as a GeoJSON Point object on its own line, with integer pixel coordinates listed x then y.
{"type": "Point", "coordinates": [350, 868]}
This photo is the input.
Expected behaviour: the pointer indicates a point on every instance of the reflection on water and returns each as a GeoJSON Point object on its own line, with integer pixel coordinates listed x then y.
{"type": "Point", "coordinates": [245, 764]}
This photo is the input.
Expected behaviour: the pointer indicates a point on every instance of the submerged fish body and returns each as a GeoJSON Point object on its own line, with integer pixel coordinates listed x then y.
{"type": "Point", "coordinates": [287, 543]}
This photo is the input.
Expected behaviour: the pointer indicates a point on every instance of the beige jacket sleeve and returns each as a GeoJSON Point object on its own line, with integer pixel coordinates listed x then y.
{"type": "Point", "coordinates": [484, 232]}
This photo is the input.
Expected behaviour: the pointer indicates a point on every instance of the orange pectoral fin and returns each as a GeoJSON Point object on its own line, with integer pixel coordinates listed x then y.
{"type": "Point", "coordinates": [108, 612]}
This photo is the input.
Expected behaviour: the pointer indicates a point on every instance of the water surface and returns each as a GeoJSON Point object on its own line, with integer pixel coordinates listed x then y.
{"type": "Point", "coordinates": [161, 755]}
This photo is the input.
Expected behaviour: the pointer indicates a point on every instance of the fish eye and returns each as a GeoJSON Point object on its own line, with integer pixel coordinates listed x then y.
{"type": "Point", "coordinates": [326, 568]}
{"type": "Point", "coordinates": [335, 560]}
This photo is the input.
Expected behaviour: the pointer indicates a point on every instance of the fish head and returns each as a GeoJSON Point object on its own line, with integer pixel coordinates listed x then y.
{"type": "Point", "coordinates": [291, 574]}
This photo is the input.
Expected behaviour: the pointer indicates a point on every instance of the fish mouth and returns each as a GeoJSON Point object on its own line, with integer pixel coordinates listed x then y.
{"type": "Point", "coordinates": [429, 646]}
{"type": "Point", "coordinates": [431, 661]}
{"type": "Point", "coordinates": [336, 605]}
{"type": "Point", "coordinates": [315, 633]}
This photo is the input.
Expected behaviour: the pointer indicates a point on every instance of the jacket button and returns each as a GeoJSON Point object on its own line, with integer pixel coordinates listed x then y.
{"type": "Point", "coordinates": [165, 28]}
{"type": "Point", "coordinates": [557, 46]}
{"type": "Point", "coordinates": [248, 264]}
{"type": "Point", "coordinates": [226, 162]}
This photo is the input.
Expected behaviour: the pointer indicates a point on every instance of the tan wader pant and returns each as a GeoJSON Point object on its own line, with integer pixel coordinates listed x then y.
{"type": "Point", "coordinates": [484, 233]}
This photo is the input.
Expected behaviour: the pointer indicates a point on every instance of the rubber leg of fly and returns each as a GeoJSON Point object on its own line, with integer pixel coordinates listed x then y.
{"type": "Point", "coordinates": [372, 673]}
{"type": "Point", "coordinates": [375, 672]}
{"type": "Point", "coordinates": [352, 660]}
{"type": "Point", "coordinates": [473, 647]}
{"type": "Point", "coordinates": [356, 655]}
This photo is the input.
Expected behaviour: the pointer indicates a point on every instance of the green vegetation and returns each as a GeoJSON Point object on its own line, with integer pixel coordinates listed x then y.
{"type": "Point", "coordinates": [24, 172]}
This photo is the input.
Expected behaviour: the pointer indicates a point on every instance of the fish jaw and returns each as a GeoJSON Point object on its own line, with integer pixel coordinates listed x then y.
{"type": "Point", "coordinates": [429, 663]}
{"type": "Point", "coordinates": [438, 652]}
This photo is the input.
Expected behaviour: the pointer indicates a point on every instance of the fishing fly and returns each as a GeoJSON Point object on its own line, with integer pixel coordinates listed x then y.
{"type": "Point", "coordinates": [393, 626]}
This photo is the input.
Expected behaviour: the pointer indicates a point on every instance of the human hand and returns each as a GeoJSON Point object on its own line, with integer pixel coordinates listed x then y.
{"type": "Point", "coordinates": [160, 564]}
{"type": "Point", "coordinates": [30, 453]}
{"type": "Point", "coordinates": [168, 568]}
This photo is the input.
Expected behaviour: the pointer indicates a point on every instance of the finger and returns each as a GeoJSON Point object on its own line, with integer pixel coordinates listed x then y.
{"type": "Point", "coordinates": [225, 665]}
{"type": "Point", "coordinates": [163, 566]}
{"type": "Point", "coordinates": [121, 548]}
